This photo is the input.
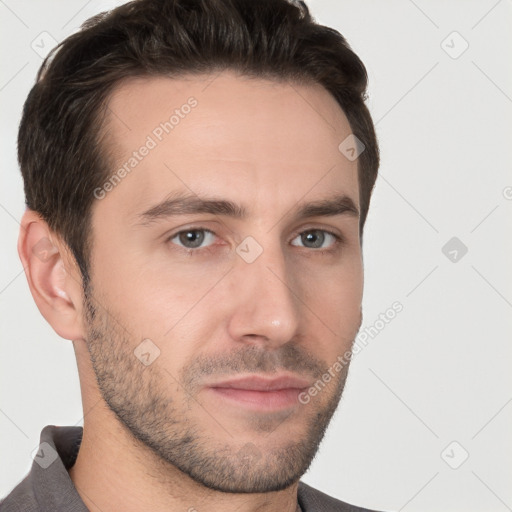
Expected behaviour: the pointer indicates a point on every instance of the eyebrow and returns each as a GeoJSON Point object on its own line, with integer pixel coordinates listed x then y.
{"type": "Point", "coordinates": [183, 205]}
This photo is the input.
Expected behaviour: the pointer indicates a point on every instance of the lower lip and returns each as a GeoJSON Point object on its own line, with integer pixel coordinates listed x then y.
{"type": "Point", "coordinates": [260, 400]}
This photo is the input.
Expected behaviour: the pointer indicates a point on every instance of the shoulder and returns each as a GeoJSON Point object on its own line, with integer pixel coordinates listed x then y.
{"type": "Point", "coordinates": [48, 485]}
{"type": "Point", "coordinates": [313, 500]}
{"type": "Point", "coordinates": [20, 499]}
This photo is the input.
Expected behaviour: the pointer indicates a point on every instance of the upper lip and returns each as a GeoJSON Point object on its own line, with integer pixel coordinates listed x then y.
{"type": "Point", "coordinates": [258, 383]}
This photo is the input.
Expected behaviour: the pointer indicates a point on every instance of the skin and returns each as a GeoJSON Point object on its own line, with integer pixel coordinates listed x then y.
{"type": "Point", "coordinates": [155, 437]}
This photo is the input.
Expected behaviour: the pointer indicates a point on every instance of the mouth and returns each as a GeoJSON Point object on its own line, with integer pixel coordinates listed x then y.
{"type": "Point", "coordinates": [259, 393]}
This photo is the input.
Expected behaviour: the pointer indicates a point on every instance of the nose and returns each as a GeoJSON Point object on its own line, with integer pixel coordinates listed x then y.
{"type": "Point", "coordinates": [266, 307]}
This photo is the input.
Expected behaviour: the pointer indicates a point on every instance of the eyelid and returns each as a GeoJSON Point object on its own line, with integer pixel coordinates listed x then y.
{"type": "Point", "coordinates": [182, 229]}
{"type": "Point", "coordinates": [190, 251]}
{"type": "Point", "coordinates": [206, 232]}
{"type": "Point", "coordinates": [331, 231]}
{"type": "Point", "coordinates": [339, 238]}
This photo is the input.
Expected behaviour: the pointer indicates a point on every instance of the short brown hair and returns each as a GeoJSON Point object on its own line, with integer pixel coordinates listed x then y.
{"type": "Point", "coordinates": [59, 143]}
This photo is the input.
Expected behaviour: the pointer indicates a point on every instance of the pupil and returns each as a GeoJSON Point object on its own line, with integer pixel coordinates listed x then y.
{"type": "Point", "coordinates": [313, 239]}
{"type": "Point", "coordinates": [192, 239]}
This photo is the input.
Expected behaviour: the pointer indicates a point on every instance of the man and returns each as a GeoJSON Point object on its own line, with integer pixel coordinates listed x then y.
{"type": "Point", "coordinates": [197, 178]}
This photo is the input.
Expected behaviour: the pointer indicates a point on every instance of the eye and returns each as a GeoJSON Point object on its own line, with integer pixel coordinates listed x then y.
{"type": "Point", "coordinates": [316, 239]}
{"type": "Point", "coordinates": [193, 238]}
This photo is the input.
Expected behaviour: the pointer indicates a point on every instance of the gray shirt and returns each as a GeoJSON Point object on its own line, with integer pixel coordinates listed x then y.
{"type": "Point", "coordinates": [48, 486]}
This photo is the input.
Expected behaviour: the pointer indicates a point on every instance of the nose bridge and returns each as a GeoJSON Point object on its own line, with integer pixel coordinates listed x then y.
{"type": "Point", "coordinates": [266, 305]}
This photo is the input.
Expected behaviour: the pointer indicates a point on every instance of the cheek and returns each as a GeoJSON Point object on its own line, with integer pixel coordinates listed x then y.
{"type": "Point", "coordinates": [151, 294]}
{"type": "Point", "coordinates": [334, 300]}
{"type": "Point", "coordinates": [349, 291]}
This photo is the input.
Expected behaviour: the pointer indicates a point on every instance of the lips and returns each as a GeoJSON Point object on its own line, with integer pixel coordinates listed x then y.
{"type": "Point", "coordinates": [260, 393]}
{"type": "Point", "coordinates": [256, 383]}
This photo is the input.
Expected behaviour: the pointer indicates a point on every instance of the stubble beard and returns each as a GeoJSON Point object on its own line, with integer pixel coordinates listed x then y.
{"type": "Point", "coordinates": [163, 423]}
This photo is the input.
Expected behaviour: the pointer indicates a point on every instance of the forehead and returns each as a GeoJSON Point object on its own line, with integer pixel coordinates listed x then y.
{"type": "Point", "coordinates": [226, 135]}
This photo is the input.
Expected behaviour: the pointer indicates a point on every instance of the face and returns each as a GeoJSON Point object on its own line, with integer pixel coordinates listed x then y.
{"type": "Point", "coordinates": [226, 274]}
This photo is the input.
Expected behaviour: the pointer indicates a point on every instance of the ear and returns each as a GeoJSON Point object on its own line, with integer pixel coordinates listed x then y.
{"type": "Point", "coordinates": [53, 276]}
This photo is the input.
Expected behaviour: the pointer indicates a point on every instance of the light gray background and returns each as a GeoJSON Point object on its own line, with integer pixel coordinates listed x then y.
{"type": "Point", "coordinates": [438, 372]}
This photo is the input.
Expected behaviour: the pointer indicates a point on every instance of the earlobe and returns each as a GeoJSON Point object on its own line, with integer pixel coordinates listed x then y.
{"type": "Point", "coordinates": [54, 284]}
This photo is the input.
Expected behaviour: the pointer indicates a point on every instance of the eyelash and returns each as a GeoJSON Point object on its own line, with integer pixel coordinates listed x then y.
{"type": "Point", "coordinates": [339, 240]}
